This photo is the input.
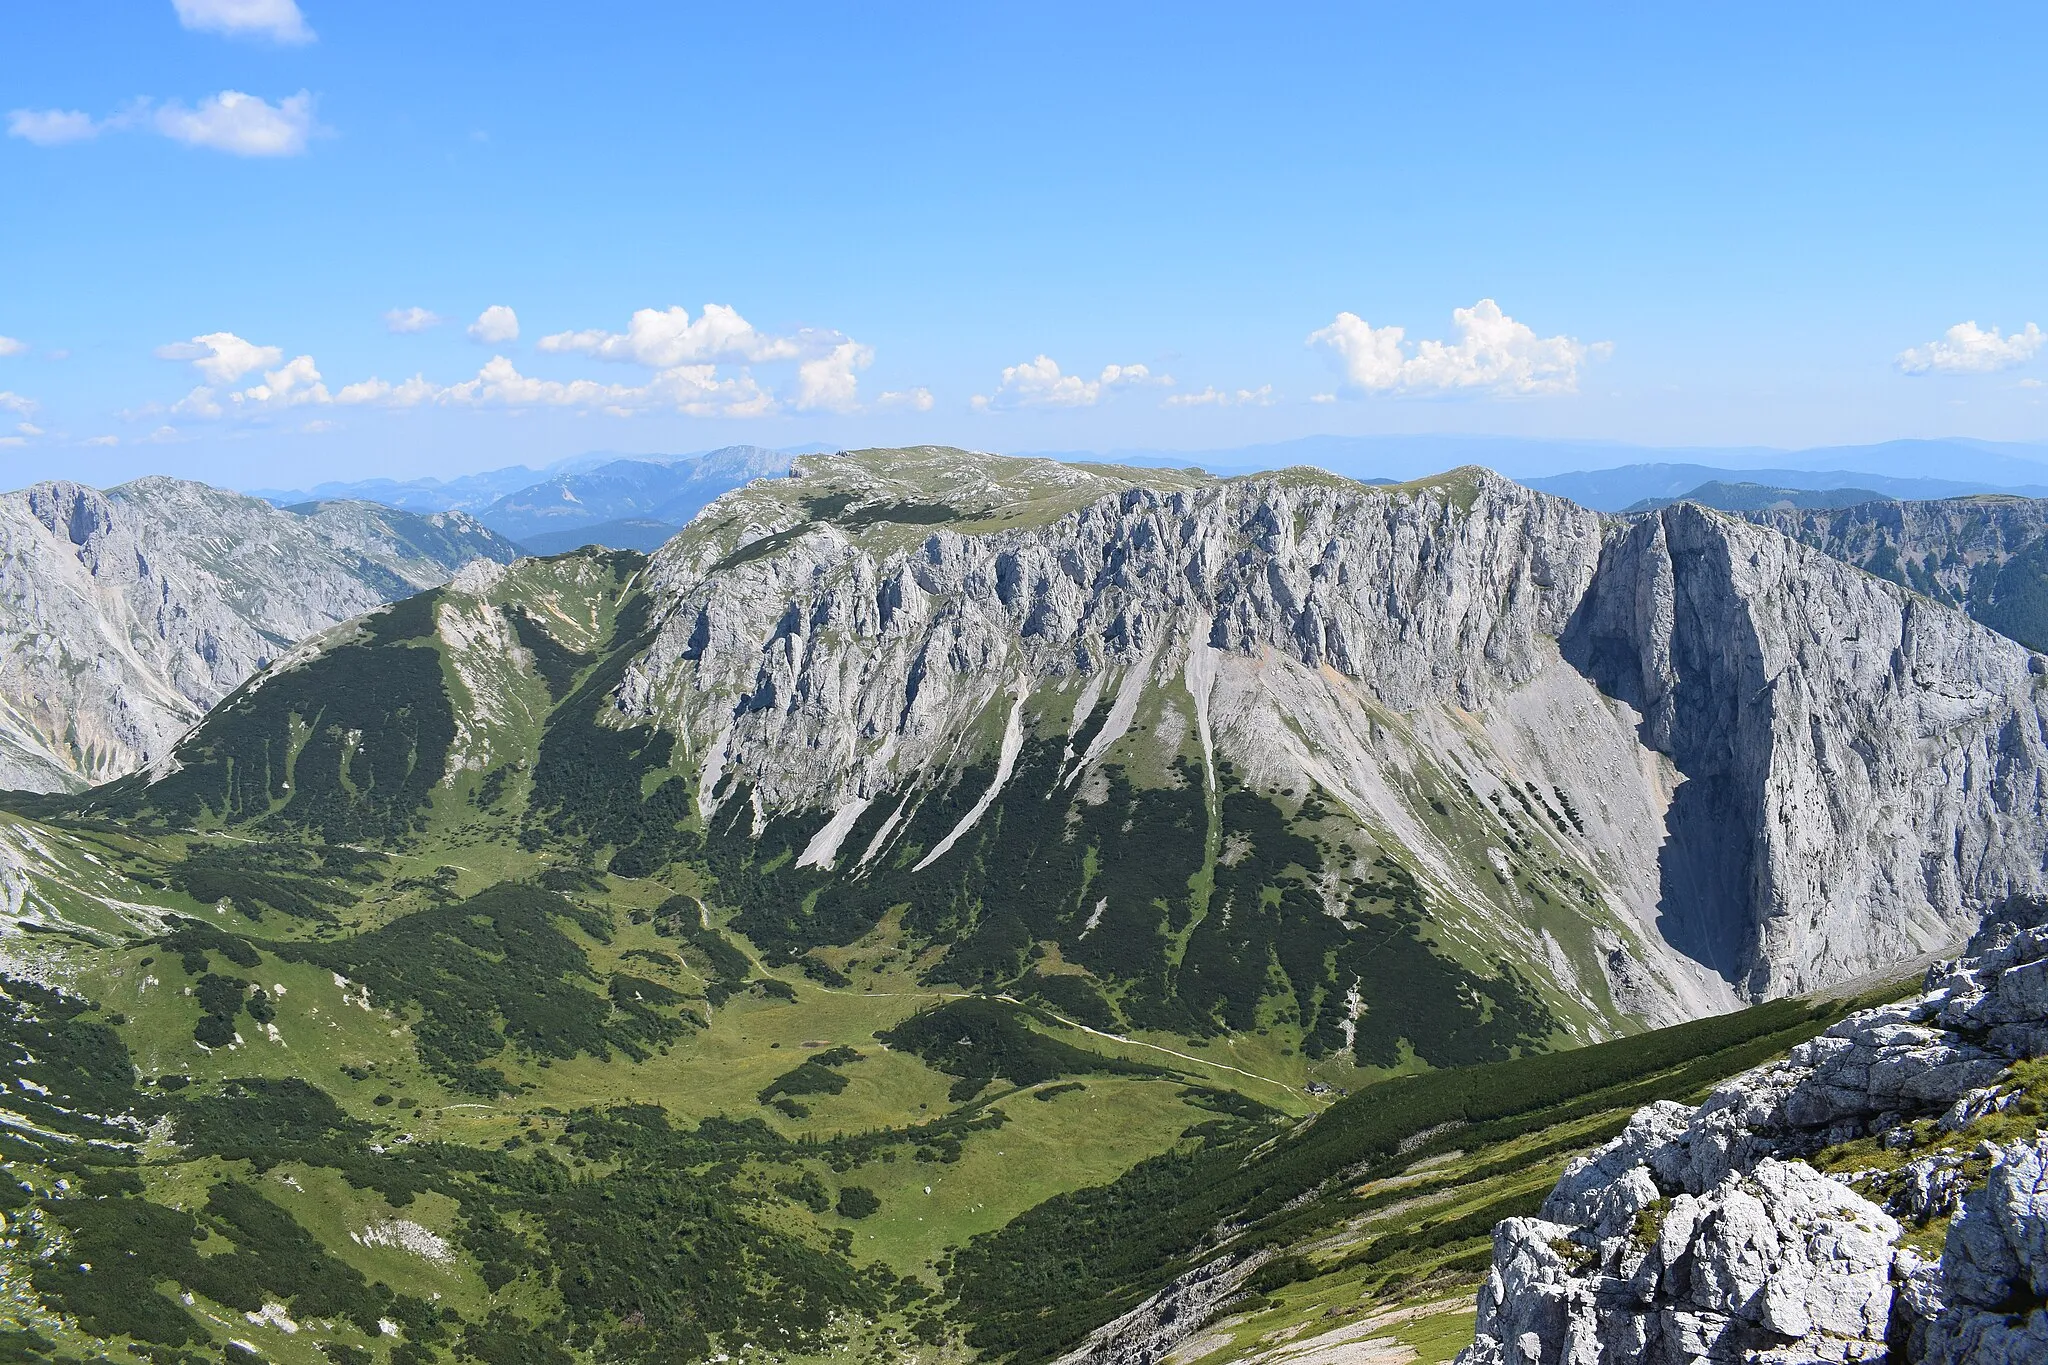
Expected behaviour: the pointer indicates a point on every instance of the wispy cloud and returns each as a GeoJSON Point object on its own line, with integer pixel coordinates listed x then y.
{"type": "Point", "coordinates": [1261, 397]}
{"type": "Point", "coordinates": [694, 390]}
{"type": "Point", "coordinates": [1039, 383]}
{"type": "Point", "coordinates": [1967, 348]}
{"type": "Point", "coordinates": [52, 127]}
{"type": "Point", "coordinates": [1492, 354]}
{"type": "Point", "coordinates": [407, 320]}
{"type": "Point", "coordinates": [231, 121]}
{"type": "Point", "coordinates": [11, 346]}
{"type": "Point", "coordinates": [918, 399]}
{"type": "Point", "coordinates": [278, 20]}
{"type": "Point", "coordinates": [241, 125]}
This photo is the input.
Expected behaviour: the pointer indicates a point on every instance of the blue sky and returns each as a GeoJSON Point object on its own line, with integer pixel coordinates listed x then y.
{"type": "Point", "coordinates": [1736, 225]}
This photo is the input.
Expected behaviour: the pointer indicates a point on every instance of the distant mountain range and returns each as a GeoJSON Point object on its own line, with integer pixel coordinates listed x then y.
{"type": "Point", "coordinates": [1637, 487]}
{"type": "Point", "coordinates": [638, 501]}
{"type": "Point", "coordinates": [625, 533]}
{"type": "Point", "coordinates": [667, 493]}
{"type": "Point", "coordinates": [623, 502]}
{"type": "Point", "coordinates": [1760, 497]}
{"type": "Point", "coordinates": [1609, 476]}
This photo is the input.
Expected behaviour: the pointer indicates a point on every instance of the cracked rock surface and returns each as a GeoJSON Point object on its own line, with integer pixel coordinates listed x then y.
{"type": "Point", "coordinates": [1794, 773]}
{"type": "Point", "coordinates": [1701, 1235]}
{"type": "Point", "coordinates": [125, 614]}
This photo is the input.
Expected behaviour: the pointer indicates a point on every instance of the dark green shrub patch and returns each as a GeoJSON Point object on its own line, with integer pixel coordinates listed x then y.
{"type": "Point", "coordinates": [858, 1201]}
{"type": "Point", "coordinates": [193, 939]}
{"type": "Point", "coordinates": [813, 1076]}
{"type": "Point", "coordinates": [500, 969]}
{"type": "Point", "coordinates": [980, 1040]}
{"type": "Point", "coordinates": [302, 882]}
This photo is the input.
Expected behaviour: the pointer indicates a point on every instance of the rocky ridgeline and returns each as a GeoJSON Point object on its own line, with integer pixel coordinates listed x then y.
{"type": "Point", "coordinates": [1950, 547]}
{"type": "Point", "coordinates": [1707, 1234]}
{"type": "Point", "coordinates": [1857, 769]}
{"type": "Point", "coordinates": [125, 614]}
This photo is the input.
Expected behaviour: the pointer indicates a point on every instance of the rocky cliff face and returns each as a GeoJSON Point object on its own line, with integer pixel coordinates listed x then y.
{"type": "Point", "coordinates": [1860, 763]}
{"type": "Point", "coordinates": [1783, 771]}
{"type": "Point", "coordinates": [1987, 556]}
{"type": "Point", "coordinates": [1469, 768]}
{"type": "Point", "coordinates": [1705, 1234]}
{"type": "Point", "coordinates": [125, 614]}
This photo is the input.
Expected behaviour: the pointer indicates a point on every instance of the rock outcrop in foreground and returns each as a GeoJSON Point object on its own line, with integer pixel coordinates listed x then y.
{"type": "Point", "coordinates": [1709, 1234]}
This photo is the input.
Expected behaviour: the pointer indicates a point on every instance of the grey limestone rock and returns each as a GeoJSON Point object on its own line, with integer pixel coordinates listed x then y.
{"type": "Point", "coordinates": [125, 614]}
{"type": "Point", "coordinates": [1698, 1234]}
{"type": "Point", "coordinates": [1779, 1264]}
{"type": "Point", "coordinates": [1840, 774]}
{"type": "Point", "coordinates": [1994, 1267]}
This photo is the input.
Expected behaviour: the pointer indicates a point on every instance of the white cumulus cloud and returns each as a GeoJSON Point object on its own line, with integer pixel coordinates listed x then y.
{"type": "Point", "coordinates": [918, 399]}
{"type": "Point", "coordinates": [685, 353]}
{"type": "Point", "coordinates": [696, 390]}
{"type": "Point", "coordinates": [404, 320]}
{"type": "Point", "coordinates": [103, 440]}
{"type": "Point", "coordinates": [827, 369]}
{"type": "Point", "coordinates": [1967, 348]}
{"type": "Point", "coordinates": [10, 346]}
{"type": "Point", "coordinates": [239, 124]}
{"type": "Point", "coordinates": [662, 337]}
{"type": "Point", "coordinates": [51, 127]}
{"type": "Point", "coordinates": [278, 20]}
{"type": "Point", "coordinates": [222, 357]}
{"type": "Point", "coordinates": [1038, 383]}
{"type": "Point", "coordinates": [1212, 397]}
{"type": "Point", "coordinates": [1492, 353]}
{"type": "Point", "coordinates": [495, 326]}
{"type": "Point", "coordinates": [14, 402]}
{"type": "Point", "coordinates": [408, 393]}
{"type": "Point", "coordinates": [289, 386]}
{"type": "Point", "coordinates": [830, 382]}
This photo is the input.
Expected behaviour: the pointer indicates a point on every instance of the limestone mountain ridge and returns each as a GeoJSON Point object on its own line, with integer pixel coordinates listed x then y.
{"type": "Point", "coordinates": [127, 613]}
{"type": "Point", "coordinates": [1214, 742]}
